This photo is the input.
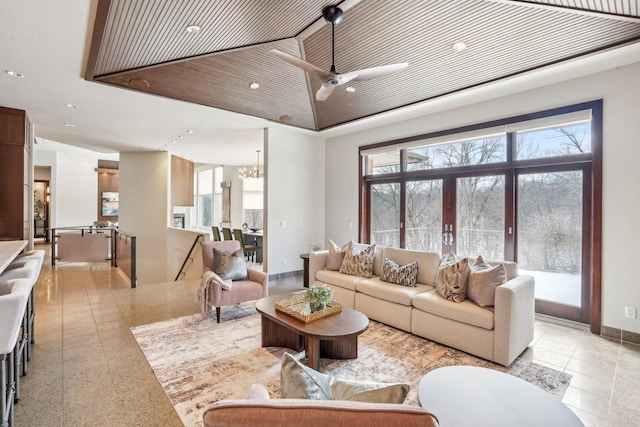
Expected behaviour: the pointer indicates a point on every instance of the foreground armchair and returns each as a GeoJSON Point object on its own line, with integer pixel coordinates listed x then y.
{"type": "Point", "coordinates": [213, 293]}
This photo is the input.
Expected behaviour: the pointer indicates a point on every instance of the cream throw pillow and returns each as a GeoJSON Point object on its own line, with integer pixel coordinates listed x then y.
{"type": "Point", "coordinates": [336, 255]}
{"type": "Point", "coordinates": [358, 262]}
{"type": "Point", "coordinates": [483, 281]}
{"type": "Point", "coordinates": [298, 381]}
{"type": "Point", "coordinates": [451, 281]}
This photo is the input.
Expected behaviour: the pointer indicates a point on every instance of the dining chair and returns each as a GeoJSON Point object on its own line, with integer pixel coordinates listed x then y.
{"type": "Point", "coordinates": [226, 233]}
{"type": "Point", "coordinates": [216, 234]}
{"type": "Point", "coordinates": [250, 251]}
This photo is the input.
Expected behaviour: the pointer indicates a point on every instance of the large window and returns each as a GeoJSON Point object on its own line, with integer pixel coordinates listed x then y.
{"type": "Point", "coordinates": [521, 189]}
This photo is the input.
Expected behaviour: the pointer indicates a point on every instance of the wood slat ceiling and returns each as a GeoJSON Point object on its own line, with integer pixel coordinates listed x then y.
{"type": "Point", "coordinates": [146, 42]}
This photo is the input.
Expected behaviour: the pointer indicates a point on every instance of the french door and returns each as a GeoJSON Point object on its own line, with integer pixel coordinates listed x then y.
{"type": "Point", "coordinates": [532, 216]}
{"type": "Point", "coordinates": [553, 234]}
{"type": "Point", "coordinates": [526, 189]}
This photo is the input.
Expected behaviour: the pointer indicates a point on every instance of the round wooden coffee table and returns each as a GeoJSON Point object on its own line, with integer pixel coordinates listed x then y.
{"type": "Point", "coordinates": [333, 337]}
{"type": "Point", "coordinates": [472, 396]}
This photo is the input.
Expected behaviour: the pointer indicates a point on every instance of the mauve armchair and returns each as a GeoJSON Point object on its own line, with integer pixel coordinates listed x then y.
{"type": "Point", "coordinates": [256, 285]}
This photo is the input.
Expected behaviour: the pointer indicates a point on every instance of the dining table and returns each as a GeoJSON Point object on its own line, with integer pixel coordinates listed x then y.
{"type": "Point", "coordinates": [9, 250]}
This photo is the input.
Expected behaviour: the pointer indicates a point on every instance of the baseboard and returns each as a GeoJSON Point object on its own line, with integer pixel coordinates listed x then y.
{"type": "Point", "coordinates": [286, 274]}
{"type": "Point", "coordinates": [620, 334]}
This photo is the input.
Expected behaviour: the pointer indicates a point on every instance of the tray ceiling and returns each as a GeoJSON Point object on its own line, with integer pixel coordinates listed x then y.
{"type": "Point", "coordinates": [145, 46]}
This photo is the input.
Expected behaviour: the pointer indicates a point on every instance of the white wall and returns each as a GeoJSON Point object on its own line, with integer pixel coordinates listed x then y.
{"type": "Point", "coordinates": [144, 210]}
{"type": "Point", "coordinates": [74, 182]}
{"type": "Point", "coordinates": [295, 194]}
{"type": "Point", "coordinates": [620, 90]}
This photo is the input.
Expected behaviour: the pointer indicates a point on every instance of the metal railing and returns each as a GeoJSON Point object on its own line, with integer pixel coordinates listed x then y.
{"type": "Point", "coordinates": [95, 244]}
{"type": "Point", "coordinates": [189, 255]}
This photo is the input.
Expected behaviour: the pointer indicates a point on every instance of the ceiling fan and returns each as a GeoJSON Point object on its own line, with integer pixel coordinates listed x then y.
{"type": "Point", "coordinates": [331, 79]}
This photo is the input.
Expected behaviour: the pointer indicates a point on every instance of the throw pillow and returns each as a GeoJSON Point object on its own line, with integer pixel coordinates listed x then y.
{"type": "Point", "coordinates": [406, 275]}
{"type": "Point", "coordinates": [229, 266]}
{"type": "Point", "coordinates": [483, 281]}
{"type": "Point", "coordinates": [336, 255]}
{"type": "Point", "coordinates": [358, 262]}
{"type": "Point", "coordinates": [451, 281]}
{"type": "Point", "coordinates": [224, 284]}
{"type": "Point", "coordinates": [298, 381]}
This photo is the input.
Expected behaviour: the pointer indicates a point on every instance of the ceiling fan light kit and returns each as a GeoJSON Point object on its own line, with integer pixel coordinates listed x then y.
{"type": "Point", "coordinates": [331, 79]}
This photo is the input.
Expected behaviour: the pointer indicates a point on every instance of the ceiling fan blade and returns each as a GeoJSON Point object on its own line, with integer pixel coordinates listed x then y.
{"type": "Point", "coordinates": [325, 90]}
{"type": "Point", "coordinates": [383, 70]}
{"type": "Point", "coordinates": [304, 65]}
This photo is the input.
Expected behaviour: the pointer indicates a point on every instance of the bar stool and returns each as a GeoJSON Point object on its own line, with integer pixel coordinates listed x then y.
{"type": "Point", "coordinates": [13, 302]}
{"type": "Point", "coordinates": [28, 272]}
{"type": "Point", "coordinates": [37, 256]}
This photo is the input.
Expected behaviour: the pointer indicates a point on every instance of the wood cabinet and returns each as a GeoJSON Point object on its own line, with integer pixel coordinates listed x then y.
{"type": "Point", "coordinates": [181, 182]}
{"type": "Point", "coordinates": [15, 174]}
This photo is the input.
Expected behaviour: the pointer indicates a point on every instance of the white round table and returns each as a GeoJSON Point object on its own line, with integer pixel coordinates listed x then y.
{"type": "Point", "coordinates": [472, 396]}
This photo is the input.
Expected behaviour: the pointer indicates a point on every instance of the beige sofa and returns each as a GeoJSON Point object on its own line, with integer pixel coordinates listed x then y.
{"type": "Point", "coordinates": [499, 335]}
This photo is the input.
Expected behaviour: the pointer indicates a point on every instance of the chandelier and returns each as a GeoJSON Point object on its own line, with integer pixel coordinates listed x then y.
{"type": "Point", "coordinates": [255, 173]}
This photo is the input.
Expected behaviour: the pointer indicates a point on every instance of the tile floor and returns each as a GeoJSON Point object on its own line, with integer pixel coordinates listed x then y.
{"type": "Point", "coordinates": [87, 369]}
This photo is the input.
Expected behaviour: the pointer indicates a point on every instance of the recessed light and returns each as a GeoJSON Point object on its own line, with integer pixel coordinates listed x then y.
{"type": "Point", "coordinates": [174, 141]}
{"type": "Point", "coordinates": [190, 132]}
{"type": "Point", "coordinates": [70, 105]}
{"type": "Point", "coordinates": [350, 89]}
{"type": "Point", "coordinates": [254, 85]}
{"type": "Point", "coordinates": [13, 73]}
{"type": "Point", "coordinates": [193, 29]}
{"type": "Point", "coordinates": [69, 125]}
{"type": "Point", "coordinates": [458, 46]}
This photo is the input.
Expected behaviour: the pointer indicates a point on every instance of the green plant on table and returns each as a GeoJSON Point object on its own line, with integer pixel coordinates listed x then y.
{"type": "Point", "coordinates": [318, 296]}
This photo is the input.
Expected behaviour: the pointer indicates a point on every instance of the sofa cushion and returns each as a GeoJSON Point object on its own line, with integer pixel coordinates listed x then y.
{"type": "Point", "coordinates": [376, 288]}
{"type": "Point", "coordinates": [483, 281]}
{"type": "Point", "coordinates": [405, 275]}
{"type": "Point", "coordinates": [453, 273]}
{"type": "Point", "coordinates": [338, 279]}
{"type": "Point", "coordinates": [428, 262]}
{"type": "Point", "coordinates": [229, 266]}
{"type": "Point", "coordinates": [465, 312]}
{"type": "Point", "coordinates": [298, 381]}
{"type": "Point", "coordinates": [336, 255]}
{"type": "Point", "coordinates": [358, 262]}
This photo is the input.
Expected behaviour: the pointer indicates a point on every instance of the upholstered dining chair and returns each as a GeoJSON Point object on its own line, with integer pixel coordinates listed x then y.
{"type": "Point", "coordinates": [212, 293]}
{"type": "Point", "coordinates": [226, 233]}
{"type": "Point", "coordinates": [216, 234]}
{"type": "Point", "coordinates": [250, 251]}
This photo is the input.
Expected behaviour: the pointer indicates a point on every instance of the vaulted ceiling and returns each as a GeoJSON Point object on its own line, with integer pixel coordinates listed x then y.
{"type": "Point", "coordinates": [144, 46]}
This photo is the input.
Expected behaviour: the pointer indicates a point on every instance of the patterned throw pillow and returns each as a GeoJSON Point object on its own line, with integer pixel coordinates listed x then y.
{"type": "Point", "coordinates": [336, 255]}
{"type": "Point", "coordinates": [483, 281]}
{"type": "Point", "coordinates": [358, 262]}
{"type": "Point", "coordinates": [451, 281]}
{"type": "Point", "coordinates": [229, 266]}
{"type": "Point", "coordinates": [406, 275]}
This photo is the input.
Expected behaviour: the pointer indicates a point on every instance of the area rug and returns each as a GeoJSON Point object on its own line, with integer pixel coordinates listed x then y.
{"type": "Point", "coordinates": [198, 361]}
